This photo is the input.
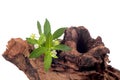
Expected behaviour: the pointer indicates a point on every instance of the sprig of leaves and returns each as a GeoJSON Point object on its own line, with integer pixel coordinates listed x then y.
{"type": "Point", "coordinates": [47, 44]}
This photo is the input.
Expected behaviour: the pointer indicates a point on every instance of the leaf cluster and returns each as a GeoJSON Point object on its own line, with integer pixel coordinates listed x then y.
{"type": "Point", "coordinates": [47, 43]}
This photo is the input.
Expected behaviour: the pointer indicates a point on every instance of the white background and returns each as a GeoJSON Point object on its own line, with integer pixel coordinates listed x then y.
{"type": "Point", "coordinates": [18, 19]}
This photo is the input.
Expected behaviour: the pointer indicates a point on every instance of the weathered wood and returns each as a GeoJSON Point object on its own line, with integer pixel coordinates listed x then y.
{"type": "Point", "coordinates": [86, 61]}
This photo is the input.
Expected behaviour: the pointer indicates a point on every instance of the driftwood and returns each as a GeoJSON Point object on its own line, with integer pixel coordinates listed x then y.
{"type": "Point", "coordinates": [88, 59]}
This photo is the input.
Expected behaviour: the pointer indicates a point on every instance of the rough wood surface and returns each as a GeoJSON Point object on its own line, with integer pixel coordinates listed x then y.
{"type": "Point", "coordinates": [86, 61]}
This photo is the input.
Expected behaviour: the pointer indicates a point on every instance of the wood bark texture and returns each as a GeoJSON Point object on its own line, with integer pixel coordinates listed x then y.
{"type": "Point", "coordinates": [87, 60]}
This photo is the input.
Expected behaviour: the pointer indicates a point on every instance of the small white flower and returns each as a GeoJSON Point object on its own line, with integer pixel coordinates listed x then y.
{"type": "Point", "coordinates": [56, 42]}
{"type": "Point", "coordinates": [36, 46]}
{"type": "Point", "coordinates": [53, 54]}
{"type": "Point", "coordinates": [32, 36]}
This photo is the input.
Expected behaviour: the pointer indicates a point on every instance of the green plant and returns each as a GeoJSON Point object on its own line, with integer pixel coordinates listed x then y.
{"type": "Point", "coordinates": [46, 44]}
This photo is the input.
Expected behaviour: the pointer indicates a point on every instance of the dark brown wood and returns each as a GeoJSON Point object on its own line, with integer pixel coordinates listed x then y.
{"type": "Point", "coordinates": [88, 59]}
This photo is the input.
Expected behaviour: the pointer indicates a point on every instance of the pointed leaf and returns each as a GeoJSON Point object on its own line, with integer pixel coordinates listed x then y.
{"type": "Point", "coordinates": [58, 33]}
{"type": "Point", "coordinates": [31, 41]}
{"type": "Point", "coordinates": [37, 52]}
{"type": "Point", "coordinates": [47, 28]}
{"type": "Point", "coordinates": [47, 61]}
{"type": "Point", "coordinates": [49, 39]}
{"type": "Point", "coordinates": [62, 47]}
{"type": "Point", "coordinates": [39, 27]}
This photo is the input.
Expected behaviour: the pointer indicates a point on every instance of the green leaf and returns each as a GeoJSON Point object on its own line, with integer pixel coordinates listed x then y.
{"type": "Point", "coordinates": [58, 33]}
{"type": "Point", "coordinates": [37, 52]}
{"type": "Point", "coordinates": [62, 47]}
{"type": "Point", "coordinates": [42, 39]}
{"type": "Point", "coordinates": [31, 41]}
{"type": "Point", "coordinates": [47, 28]}
{"type": "Point", "coordinates": [39, 27]}
{"type": "Point", "coordinates": [49, 39]}
{"type": "Point", "coordinates": [47, 61]}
